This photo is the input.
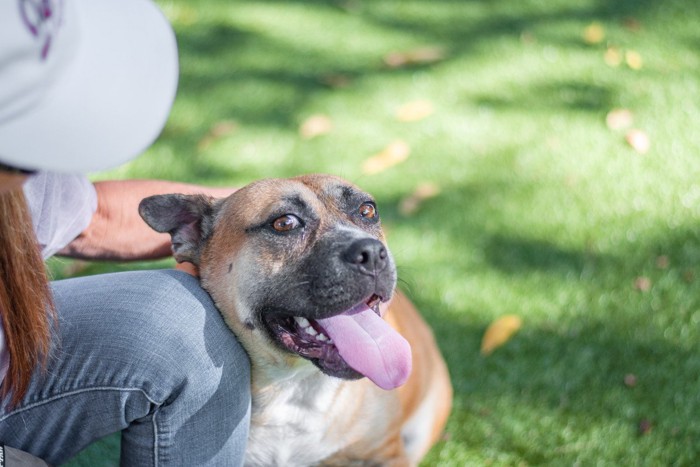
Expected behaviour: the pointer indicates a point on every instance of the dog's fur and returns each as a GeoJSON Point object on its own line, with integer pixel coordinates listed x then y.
{"type": "Point", "coordinates": [263, 267]}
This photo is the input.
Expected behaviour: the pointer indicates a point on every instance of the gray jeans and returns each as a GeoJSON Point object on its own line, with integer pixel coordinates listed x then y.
{"type": "Point", "coordinates": [145, 353]}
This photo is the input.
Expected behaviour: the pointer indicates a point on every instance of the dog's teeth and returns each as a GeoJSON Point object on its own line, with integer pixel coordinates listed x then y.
{"type": "Point", "coordinates": [310, 330]}
{"type": "Point", "coordinates": [322, 337]}
{"type": "Point", "coordinates": [302, 322]}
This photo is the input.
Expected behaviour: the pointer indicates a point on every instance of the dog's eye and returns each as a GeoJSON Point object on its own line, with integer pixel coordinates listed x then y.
{"type": "Point", "coordinates": [368, 210]}
{"type": "Point", "coordinates": [286, 223]}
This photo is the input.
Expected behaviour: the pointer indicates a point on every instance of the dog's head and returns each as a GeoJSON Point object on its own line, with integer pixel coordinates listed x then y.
{"type": "Point", "coordinates": [298, 268]}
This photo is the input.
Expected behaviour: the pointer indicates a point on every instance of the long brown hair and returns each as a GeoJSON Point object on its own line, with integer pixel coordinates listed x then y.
{"type": "Point", "coordinates": [26, 305]}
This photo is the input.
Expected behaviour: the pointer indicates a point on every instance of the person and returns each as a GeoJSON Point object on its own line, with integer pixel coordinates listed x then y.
{"type": "Point", "coordinates": [86, 85]}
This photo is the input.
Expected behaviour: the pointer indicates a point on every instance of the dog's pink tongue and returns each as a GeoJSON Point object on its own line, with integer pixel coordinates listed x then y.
{"type": "Point", "coordinates": [370, 346]}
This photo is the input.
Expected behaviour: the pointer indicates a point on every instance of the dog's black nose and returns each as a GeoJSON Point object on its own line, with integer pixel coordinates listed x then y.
{"type": "Point", "coordinates": [368, 254]}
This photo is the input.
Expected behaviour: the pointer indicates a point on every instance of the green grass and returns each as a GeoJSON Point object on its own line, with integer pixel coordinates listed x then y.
{"type": "Point", "coordinates": [543, 212]}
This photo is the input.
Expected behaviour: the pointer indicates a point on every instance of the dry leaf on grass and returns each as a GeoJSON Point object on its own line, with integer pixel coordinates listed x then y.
{"type": "Point", "coordinates": [527, 37]}
{"type": "Point", "coordinates": [419, 56]}
{"type": "Point", "coordinates": [395, 153]}
{"type": "Point", "coordinates": [638, 140]}
{"type": "Point", "coordinates": [216, 132]}
{"type": "Point", "coordinates": [630, 380]}
{"type": "Point", "coordinates": [688, 276]}
{"type": "Point", "coordinates": [632, 24]}
{"type": "Point", "coordinates": [315, 125]}
{"type": "Point", "coordinates": [612, 57]}
{"type": "Point", "coordinates": [594, 33]}
{"type": "Point", "coordinates": [415, 111]}
{"type": "Point", "coordinates": [336, 80]}
{"type": "Point", "coordinates": [181, 15]}
{"type": "Point", "coordinates": [645, 427]}
{"type": "Point", "coordinates": [411, 203]}
{"type": "Point", "coordinates": [633, 59]}
{"type": "Point", "coordinates": [619, 119]}
{"type": "Point", "coordinates": [662, 262]}
{"type": "Point", "coordinates": [643, 284]}
{"type": "Point", "coordinates": [499, 332]}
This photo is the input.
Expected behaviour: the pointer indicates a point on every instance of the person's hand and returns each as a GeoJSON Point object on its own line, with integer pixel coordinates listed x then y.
{"type": "Point", "coordinates": [117, 232]}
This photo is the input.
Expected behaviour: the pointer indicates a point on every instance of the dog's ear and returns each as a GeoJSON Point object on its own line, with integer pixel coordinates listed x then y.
{"type": "Point", "coordinates": [189, 219]}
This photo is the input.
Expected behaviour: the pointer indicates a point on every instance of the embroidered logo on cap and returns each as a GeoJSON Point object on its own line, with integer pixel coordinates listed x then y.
{"type": "Point", "coordinates": [42, 18]}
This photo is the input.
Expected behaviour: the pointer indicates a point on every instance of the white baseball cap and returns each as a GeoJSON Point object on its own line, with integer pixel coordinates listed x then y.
{"type": "Point", "coordinates": [84, 84]}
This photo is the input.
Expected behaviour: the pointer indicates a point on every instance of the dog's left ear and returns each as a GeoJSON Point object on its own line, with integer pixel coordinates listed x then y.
{"type": "Point", "coordinates": [189, 220]}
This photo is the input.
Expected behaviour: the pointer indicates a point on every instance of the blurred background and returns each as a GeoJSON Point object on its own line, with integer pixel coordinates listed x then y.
{"type": "Point", "coordinates": [536, 160]}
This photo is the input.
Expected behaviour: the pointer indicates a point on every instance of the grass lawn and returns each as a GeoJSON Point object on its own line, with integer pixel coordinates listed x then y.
{"type": "Point", "coordinates": [539, 207]}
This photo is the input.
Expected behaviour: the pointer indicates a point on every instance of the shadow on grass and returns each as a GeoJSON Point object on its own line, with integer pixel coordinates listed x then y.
{"type": "Point", "coordinates": [574, 95]}
{"type": "Point", "coordinates": [575, 367]}
{"type": "Point", "coordinates": [579, 378]}
{"type": "Point", "coordinates": [230, 73]}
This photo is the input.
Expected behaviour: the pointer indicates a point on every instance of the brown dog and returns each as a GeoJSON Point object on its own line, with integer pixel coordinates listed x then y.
{"type": "Point", "coordinates": [300, 272]}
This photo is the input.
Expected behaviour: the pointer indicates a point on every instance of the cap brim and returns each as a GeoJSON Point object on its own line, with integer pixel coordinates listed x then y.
{"type": "Point", "coordinates": [113, 99]}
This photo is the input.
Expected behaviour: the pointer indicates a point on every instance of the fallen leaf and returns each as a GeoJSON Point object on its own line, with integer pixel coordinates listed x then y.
{"type": "Point", "coordinates": [526, 37]}
{"type": "Point", "coordinates": [633, 59]}
{"type": "Point", "coordinates": [499, 332]}
{"type": "Point", "coordinates": [594, 33]}
{"type": "Point", "coordinates": [638, 140]}
{"type": "Point", "coordinates": [216, 132]}
{"type": "Point", "coordinates": [351, 6]}
{"type": "Point", "coordinates": [688, 276]}
{"type": "Point", "coordinates": [630, 380]}
{"type": "Point", "coordinates": [612, 57]}
{"type": "Point", "coordinates": [180, 15]}
{"type": "Point", "coordinates": [315, 125]}
{"type": "Point", "coordinates": [411, 203]}
{"type": "Point", "coordinates": [415, 111]}
{"type": "Point", "coordinates": [662, 262]}
{"type": "Point", "coordinates": [619, 119]}
{"type": "Point", "coordinates": [643, 284]}
{"type": "Point", "coordinates": [336, 80]}
{"type": "Point", "coordinates": [419, 56]}
{"type": "Point", "coordinates": [645, 427]}
{"type": "Point", "coordinates": [632, 24]}
{"type": "Point", "coordinates": [395, 153]}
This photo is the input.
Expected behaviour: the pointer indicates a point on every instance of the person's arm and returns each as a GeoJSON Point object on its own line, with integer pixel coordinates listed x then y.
{"type": "Point", "coordinates": [117, 232]}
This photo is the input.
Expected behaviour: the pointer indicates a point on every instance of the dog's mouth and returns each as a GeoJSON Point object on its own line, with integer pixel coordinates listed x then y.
{"type": "Point", "coordinates": [354, 343]}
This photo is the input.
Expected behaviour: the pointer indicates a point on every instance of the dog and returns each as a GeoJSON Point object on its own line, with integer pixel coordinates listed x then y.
{"type": "Point", "coordinates": [344, 369]}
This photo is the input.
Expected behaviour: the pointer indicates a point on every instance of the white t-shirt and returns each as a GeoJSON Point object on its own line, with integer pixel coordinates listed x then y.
{"type": "Point", "coordinates": [61, 207]}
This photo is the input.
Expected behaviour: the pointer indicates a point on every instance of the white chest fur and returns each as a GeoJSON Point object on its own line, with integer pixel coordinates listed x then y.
{"type": "Point", "coordinates": [305, 418]}
{"type": "Point", "coordinates": [290, 420]}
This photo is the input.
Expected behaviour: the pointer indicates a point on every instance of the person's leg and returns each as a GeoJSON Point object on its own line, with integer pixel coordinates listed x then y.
{"type": "Point", "coordinates": [145, 352]}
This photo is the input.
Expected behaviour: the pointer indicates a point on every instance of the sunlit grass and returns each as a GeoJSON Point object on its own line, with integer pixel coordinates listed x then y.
{"type": "Point", "coordinates": [543, 211]}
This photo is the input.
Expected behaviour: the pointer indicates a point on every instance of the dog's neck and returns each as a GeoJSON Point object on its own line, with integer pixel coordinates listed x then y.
{"type": "Point", "coordinates": [299, 408]}
{"type": "Point", "coordinates": [270, 380]}
{"type": "Point", "coordinates": [289, 405]}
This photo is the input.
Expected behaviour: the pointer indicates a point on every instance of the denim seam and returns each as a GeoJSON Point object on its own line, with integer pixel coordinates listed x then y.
{"type": "Point", "coordinates": [77, 391]}
{"type": "Point", "coordinates": [156, 441]}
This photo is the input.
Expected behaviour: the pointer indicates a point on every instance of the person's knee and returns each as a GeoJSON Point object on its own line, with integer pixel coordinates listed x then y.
{"type": "Point", "coordinates": [191, 345]}
{"type": "Point", "coordinates": [158, 329]}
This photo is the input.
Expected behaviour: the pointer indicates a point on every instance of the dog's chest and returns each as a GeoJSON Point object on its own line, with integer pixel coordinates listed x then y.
{"type": "Point", "coordinates": [306, 419]}
{"type": "Point", "coordinates": [287, 441]}
{"type": "Point", "coordinates": [292, 423]}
